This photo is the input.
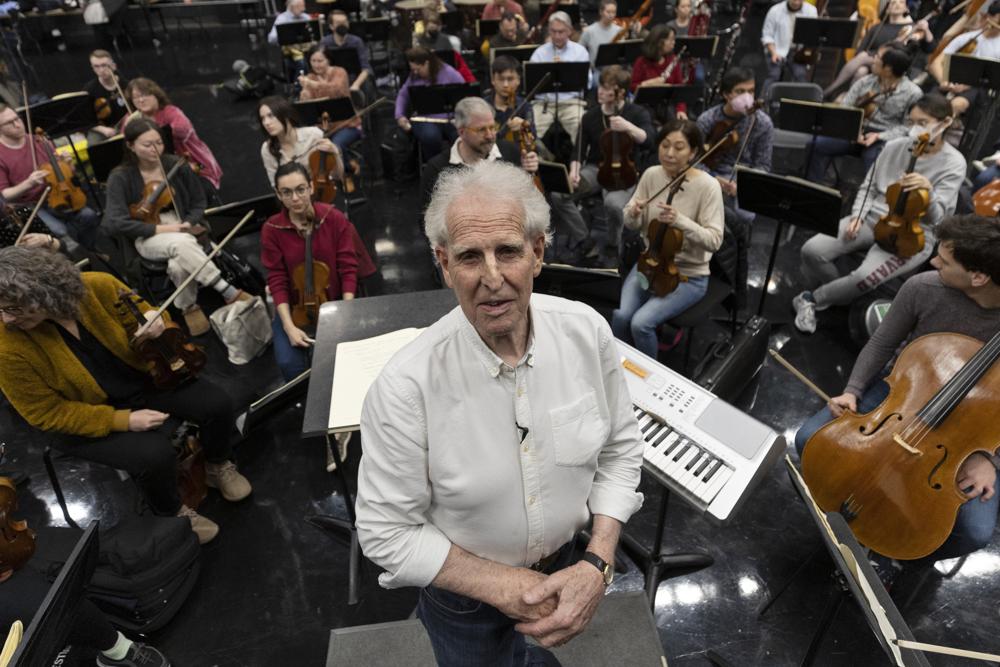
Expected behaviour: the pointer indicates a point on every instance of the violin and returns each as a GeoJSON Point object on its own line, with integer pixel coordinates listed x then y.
{"type": "Point", "coordinates": [102, 108]}
{"type": "Point", "coordinates": [899, 231]}
{"type": "Point", "coordinates": [986, 201]}
{"type": "Point", "coordinates": [867, 103]}
{"type": "Point", "coordinates": [892, 472]}
{"type": "Point", "coordinates": [17, 541]}
{"type": "Point", "coordinates": [65, 194]}
{"type": "Point", "coordinates": [724, 136]}
{"type": "Point", "coordinates": [310, 279]}
{"type": "Point", "coordinates": [527, 142]}
{"type": "Point", "coordinates": [323, 167]}
{"type": "Point", "coordinates": [510, 101]}
{"type": "Point", "coordinates": [656, 266]}
{"type": "Point", "coordinates": [617, 170]}
{"type": "Point", "coordinates": [171, 358]}
{"type": "Point", "coordinates": [156, 196]}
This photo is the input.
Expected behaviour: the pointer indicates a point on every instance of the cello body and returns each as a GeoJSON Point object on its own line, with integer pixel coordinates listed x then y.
{"type": "Point", "coordinates": [898, 502]}
{"type": "Point", "coordinates": [617, 170]}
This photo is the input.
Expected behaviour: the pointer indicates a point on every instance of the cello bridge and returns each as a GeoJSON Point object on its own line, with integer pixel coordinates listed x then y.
{"type": "Point", "coordinates": [898, 439]}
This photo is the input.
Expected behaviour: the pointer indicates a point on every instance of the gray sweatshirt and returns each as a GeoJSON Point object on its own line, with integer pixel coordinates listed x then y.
{"type": "Point", "coordinates": [923, 306]}
{"type": "Point", "coordinates": [944, 169]}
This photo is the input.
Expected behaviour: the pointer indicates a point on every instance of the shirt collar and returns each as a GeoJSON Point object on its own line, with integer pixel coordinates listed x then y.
{"type": "Point", "coordinates": [454, 157]}
{"type": "Point", "coordinates": [491, 361]}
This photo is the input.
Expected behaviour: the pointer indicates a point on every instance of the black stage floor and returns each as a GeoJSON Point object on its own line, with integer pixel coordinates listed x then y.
{"type": "Point", "coordinates": [273, 586]}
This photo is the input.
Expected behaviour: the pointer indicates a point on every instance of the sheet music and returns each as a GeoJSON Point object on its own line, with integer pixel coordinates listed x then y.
{"type": "Point", "coordinates": [357, 365]}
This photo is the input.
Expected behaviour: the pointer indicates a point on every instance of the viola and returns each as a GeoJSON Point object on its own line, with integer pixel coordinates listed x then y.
{"type": "Point", "coordinates": [171, 358]}
{"type": "Point", "coordinates": [510, 100]}
{"type": "Point", "coordinates": [310, 279]}
{"type": "Point", "coordinates": [987, 199]}
{"type": "Point", "coordinates": [323, 167]}
{"type": "Point", "coordinates": [892, 472]}
{"type": "Point", "coordinates": [617, 170]}
{"type": "Point", "coordinates": [17, 541]}
{"type": "Point", "coordinates": [656, 262]}
{"type": "Point", "coordinates": [527, 142]}
{"type": "Point", "coordinates": [899, 231]}
{"type": "Point", "coordinates": [65, 193]}
{"type": "Point", "coordinates": [156, 196]}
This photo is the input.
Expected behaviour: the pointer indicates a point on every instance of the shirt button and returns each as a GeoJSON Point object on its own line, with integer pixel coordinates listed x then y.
{"type": "Point", "coordinates": [520, 392]}
{"type": "Point", "coordinates": [531, 500]}
{"type": "Point", "coordinates": [525, 449]}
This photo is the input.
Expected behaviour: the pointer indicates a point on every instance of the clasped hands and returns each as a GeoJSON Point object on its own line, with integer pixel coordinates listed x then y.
{"type": "Point", "coordinates": [667, 214]}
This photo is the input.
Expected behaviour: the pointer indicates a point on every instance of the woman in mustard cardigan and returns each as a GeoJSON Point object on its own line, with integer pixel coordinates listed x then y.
{"type": "Point", "coordinates": [67, 368]}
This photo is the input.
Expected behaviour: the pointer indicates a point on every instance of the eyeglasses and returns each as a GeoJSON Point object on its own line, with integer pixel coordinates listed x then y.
{"type": "Point", "coordinates": [12, 122]}
{"type": "Point", "coordinates": [484, 130]}
{"type": "Point", "coordinates": [300, 191]}
{"type": "Point", "coordinates": [11, 310]}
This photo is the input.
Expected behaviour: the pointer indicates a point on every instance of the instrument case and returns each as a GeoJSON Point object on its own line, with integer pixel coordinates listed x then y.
{"type": "Point", "coordinates": [733, 361]}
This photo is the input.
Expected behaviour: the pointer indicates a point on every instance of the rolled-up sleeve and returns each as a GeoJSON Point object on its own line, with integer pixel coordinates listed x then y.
{"type": "Point", "coordinates": [394, 492]}
{"type": "Point", "coordinates": [619, 465]}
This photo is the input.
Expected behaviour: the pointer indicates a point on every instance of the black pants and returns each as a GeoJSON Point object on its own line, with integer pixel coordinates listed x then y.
{"type": "Point", "coordinates": [148, 455]}
{"type": "Point", "coordinates": [22, 594]}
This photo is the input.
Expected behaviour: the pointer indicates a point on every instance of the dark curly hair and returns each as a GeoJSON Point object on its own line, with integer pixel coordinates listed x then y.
{"type": "Point", "coordinates": [35, 279]}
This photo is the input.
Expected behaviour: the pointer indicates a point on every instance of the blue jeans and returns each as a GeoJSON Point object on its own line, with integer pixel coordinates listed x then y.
{"type": "Point", "coordinates": [433, 137]}
{"type": "Point", "coordinates": [985, 177]}
{"type": "Point", "coordinates": [827, 148]}
{"type": "Point", "coordinates": [640, 312]}
{"type": "Point", "coordinates": [344, 137]}
{"type": "Point", "coordinates": [464, 631]}
{"type": "Point", "coordinates": [80, 226]}
{"type": "Point", "coordinates": [293, 361]}
{"type": "Point", "coordinates": [976, 519]}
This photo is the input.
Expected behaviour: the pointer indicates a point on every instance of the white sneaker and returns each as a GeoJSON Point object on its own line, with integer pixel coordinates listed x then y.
{"type": "Point", "coordinates": [805, 314]}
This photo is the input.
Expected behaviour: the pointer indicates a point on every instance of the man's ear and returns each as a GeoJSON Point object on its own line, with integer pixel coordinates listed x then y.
{"type": "Point", "coordinates": [538, 250]}
{"type": "Point", "coordinates": [441, 255]}
{"type": "Point", "coordinates": [980, 279]}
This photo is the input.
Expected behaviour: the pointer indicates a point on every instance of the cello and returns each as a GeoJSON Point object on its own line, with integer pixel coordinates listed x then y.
{"type": "Point", "coordinates": [892, 472]}
{"type": "Point", "coordinates": [656, 266]}
{"type": "Point", "coordinates": [899, 231]}
{"type": "Point", "coordinates": [17, 541]}
{"type": "Point", "coordinates": [617, 169]}
{"type": "Point", "coordinates": [310, 279]}
{"type": "Point", "coordinates": [986, 201]}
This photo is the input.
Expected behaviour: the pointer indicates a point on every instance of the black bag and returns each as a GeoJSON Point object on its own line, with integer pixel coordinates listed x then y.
{"type": "Point", "coordinates": [399, 156]}
{"type": "Point", "coordinates": [733, 361]}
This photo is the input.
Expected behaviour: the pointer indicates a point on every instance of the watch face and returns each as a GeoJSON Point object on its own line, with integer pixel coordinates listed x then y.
{"type": "Point", "coordinates": [609, 575]}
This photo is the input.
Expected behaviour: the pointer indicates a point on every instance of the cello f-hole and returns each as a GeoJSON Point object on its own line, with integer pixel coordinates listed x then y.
{"type": "Point", "coordinates": [937, 486]}
{"type": "Point", "coordinates": [864, 428]}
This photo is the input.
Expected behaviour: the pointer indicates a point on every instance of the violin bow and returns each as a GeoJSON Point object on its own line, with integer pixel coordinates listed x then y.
{"type": "Point", "coordinates": [31, 218]}
{"type": "Point", "coordinates": [743, 144]}
{"type": "Point", "coordinates": [187, 281]}
{"type": "Point", "coordinates": [527, 99]}
{"type": "Point", "coordinates": [686, 169]}
{"type": "Point", "coordinates": [799, 375]}
{"type": "Point", "coordinates": [31, 133]}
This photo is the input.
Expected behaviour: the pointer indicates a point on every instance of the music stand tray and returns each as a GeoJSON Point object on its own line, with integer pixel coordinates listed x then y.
{"type": "Point", "coordinates": [622, 53]}
{"type": "Point", "coordinates": [519, 53]}
{"type": "Point", "coordinates": [105, 156]}
{"type": "Point", "coordinates": [487, 27]}
{"type": "Point", "coordinates": [224, 218]}
{"type": "Point", "coordinates": [826, 120]}
{"type": "Point", "coordinates": [336, 108]}
{"type": "Point", "coordinates": [373, 30]}
{"type": "Point", "coordinates": [554, 177]}
{"type": "Point", "coordinates": [963, 69]}
{"type": "Point", "coordinates": [64, 114]}
{"type": "Point", "coordinates": [825, 32]}
{"type": "Point", "coordinates": [572, 10]}
{"type": "Point", "coordinates": [299, 32]}
{"type": "Point", "coordinates": [346, 58]}
{"type": "Point", "coordinates": [697, 47]}
{"type": "Point", "coordinates": [452, 22]}
{"type": "Point", "coordinates": [563, 77]}
{"type": "Point", "coordinates": [428, 100]}
{"type": "Point", "coordinates": [653, 95]}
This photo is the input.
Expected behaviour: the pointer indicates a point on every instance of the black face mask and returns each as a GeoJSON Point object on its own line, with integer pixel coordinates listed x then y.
{"type": "Point", "coordinates": [341, 30]}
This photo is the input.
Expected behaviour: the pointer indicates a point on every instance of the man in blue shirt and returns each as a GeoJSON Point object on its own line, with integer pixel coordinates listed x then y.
{"type": "Point", "coordinates": [341, 38]}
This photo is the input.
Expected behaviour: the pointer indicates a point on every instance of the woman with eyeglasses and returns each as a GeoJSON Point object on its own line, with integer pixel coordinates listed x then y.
{"type": "Point", "coordinates": [172, 237]}
{"type": "Point", "coordinates": [283, 249]}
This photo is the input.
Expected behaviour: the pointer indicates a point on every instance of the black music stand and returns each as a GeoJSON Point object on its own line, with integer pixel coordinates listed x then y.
{"type": "Point", "coordinates": [373, 30]}
{"type": "Point", "coordinates": [428, 100]}
{"type": "Point", "coordinates": [572, 10]}
{"type": "Point", "coordinates": [346, 58]}
{"type": "Point", "coordinates": [790, 200]}
{"type": "Point", "coordinates": [854, 577]}
{"type": "Point", "coordinates": [311, 112]}
{"type": "Point", "coordinates": [697, 47]}
{"type": "Point", "coordinates": [447, 56]}
{"type": "Point", "coordinates": [554, 177]}
{"type": "Point", "coordinates": [654, 95]}
{"type": "Point", "coordinates": [984, 74]}
{"type": "Point", "coordinates": [826, 120]}
{"type": "Point", "coordinates": [299, 32]}
{"type": "Point", "coordinates": [105, 156]}
{"type": "Point", "coordinates": [453, 22]}
{"type": "Point", "coordinates": [487, 27]}
{"type": "Point", "coordinates": [50, 628]}
{"type": "Point", "coordinates": [819, 33]}
{"type": "Point", "coordinates": [519, 53]}
{"type": "Point", "coordinates": [622, 53]}
{"type": "Point", "coordinates": [564, 77]}
{"type": "Point", "coordinates": [224, 218]}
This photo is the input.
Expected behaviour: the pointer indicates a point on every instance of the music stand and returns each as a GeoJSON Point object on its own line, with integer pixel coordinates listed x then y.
{"type": "Point", "coordinates": [572, 10]}
{"type": "Point", "coordinates": [487, 27]}
{"type": "Point", "coordinates": [428, 100]}
{"type": "Point", "coordinates": [105, 156]}
{"type": "Point", "coordinates": [519, 53]}
{"type": "Point", "coordinates": [373, 30]}
{"type": "Point", "coordinates": [656, 94]}
{"type": "Point", "coordinates": [299, 32]}
{"type": "Point", "coordinates": [50, 627]}
{"type": "Point", "coordinates": [564, 77]}
{"type": "Point", "coordinates": [826, 120]}
{"type": "Point", "coordinates": [447, 56]}
{"type": "Point", "coordinates": [554, 177]}
{"type": "Point", "coordinates": [224, 218]}
{"type": "Point", "coordinates": [452, 22]}
{"type": "Point", "coordinates": [336, 108]}
{"type": "Point", "coordinates": [697, 47]}
{"type": "Point", "coordinates": [346, 58]}
{"type": "Point", "coordinates": [984, 74]}
{"type": "Point", "coordinates": [786, 199]}
{"type": "Point", "coordinates": [819, 33]}
{"type": "Point", "coordinates": [622, 53]}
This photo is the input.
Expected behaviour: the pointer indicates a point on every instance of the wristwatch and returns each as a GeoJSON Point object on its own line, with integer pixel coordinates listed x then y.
{"type": "Point", "coordinates": [605, 568]}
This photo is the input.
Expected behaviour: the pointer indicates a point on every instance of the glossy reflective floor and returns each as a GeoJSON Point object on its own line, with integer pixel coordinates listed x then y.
{"type": "Point", "coordinates": [273, 585]}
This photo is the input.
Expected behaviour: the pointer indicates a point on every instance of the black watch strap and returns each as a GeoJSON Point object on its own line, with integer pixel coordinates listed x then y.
{"type": "Point", "coordinates": [602, 566]}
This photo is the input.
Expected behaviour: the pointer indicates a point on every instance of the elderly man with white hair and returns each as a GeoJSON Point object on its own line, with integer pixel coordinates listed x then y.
{"type": "Point", "coordinates": [495, 437]}
{"type": "Point", "coordinates": [559, 49]}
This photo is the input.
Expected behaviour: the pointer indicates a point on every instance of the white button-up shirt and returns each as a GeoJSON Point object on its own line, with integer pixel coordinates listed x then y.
{"type": "Point", "coordinates": [779, 25]}
{"type": "Point", "coordinates": [507, 463]}
{"type": "Point", "coordinates": [548, 53]}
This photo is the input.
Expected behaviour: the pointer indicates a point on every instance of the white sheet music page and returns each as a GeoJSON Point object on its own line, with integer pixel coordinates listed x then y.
{"type": "Point", "coordinates": [357, 365]}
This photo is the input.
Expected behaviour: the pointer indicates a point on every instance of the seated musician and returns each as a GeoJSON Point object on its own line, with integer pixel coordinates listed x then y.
{"type": "Point", "coordinates": [889, 94]}
{"type": "Point", "coordinates": [939, 170]}
{"type": "Point", "coordinates": [505, 75]}
{"type": "Point", "coordinates": [149, 100]}
{"type": "Point", "coordinates": [776, 36]}
{"type": "Point", "coordinates": [282, 250]}
{"type": "Point", "coordinates": [613, 112]}
{"type": "Point", "coordinates": [696, 210]}
{"type": "Point", "coordinates": [69, 370]}
{"type": "Point", "coordinates": [682, 18]}
{"type": "Point", "coordinates": [428, 34]}
{"type": "Point", "coordinates": [602, 31]}
{"type": "Point", "coordinates": [285, 141]}
{"type": "Point", "coordinates": [109, 105]}
{"type": "Point", "coordinates": [341, 38]}
{"type": "Point", "coordinates": [323, 79]}
{"type": "Point", "coordinates": [659, 65]}
{"type": "Point", "coordinates": [571, 105]}
{"type": "Point", "coordinates": [962, 296]}
{"type": "Point", "coordinates": [990, 170]}
{"type": "Point", "coordinates": [896, 26]}
{"type": "Point", "coordinates": [294, 54]}
{"type": "Point", "coordinates": [21, 183]}
{"type": "Point", "coordinates": [510, 32]}
{"type": "Point", "coordinates": [172, 238]}
{"type": "Point", "coordinates": [426, 69]}
{"type": "Point", "coordinates": [495, 9]}
{"type": "Point", "coordinates": [754, 151]}
{"type": "Point", "coordinates": [987, 45]}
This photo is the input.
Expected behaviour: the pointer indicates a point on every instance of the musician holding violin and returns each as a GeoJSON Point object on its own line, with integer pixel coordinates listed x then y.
{"type": "Point", "coordinates": [27, 165]}
{"type": "Point", "coordinates": [962, 296]}
{"type": "Point", "coordinates": [285, 141]}
{"type": "Point", "coordinates": [73, 370]}
{"type": "Point", "coordinates": [675, 197]}
{"type": "Point", "coordinates": [885, 96]}
{"type": "Point", "coordinates": [163, 229]}
{"type": "Point", "coordinates": [923, 173]}
{"type": "Point", "coordinates": [505, 75]}
{"type": "Point", "coordinates": [983, 43]}
{"type": "Point", "coordinates": [105, 91]}
{"type": "Point", "coordinates": [303, 232]}
{"type": "Point", "coordinates": [614, 135]}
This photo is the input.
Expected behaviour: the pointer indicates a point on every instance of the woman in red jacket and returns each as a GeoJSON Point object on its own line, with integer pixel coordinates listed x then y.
{"type": "Point", "coordinates": [657, 57]}
{"type": "Point", "coordinates": [283, 248]}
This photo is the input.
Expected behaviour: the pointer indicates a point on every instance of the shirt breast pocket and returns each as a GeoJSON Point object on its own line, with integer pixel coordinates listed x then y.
{"type": "Point", "coordinates": [578, 431]}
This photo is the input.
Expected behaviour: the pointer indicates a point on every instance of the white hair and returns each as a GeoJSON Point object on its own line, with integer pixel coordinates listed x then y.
{"type": "Point", "coordinates": [468, 107]}
{"type": "Point", "coordinates": [491, 183]}
{"type": "Point", "coordinates": [562, 17]}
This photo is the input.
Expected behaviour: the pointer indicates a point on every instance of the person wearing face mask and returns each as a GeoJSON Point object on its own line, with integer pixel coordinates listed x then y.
{"type": "Point", "coordinates": [341, 38]}
{"type": "Point", "coordinates": [940, 170]}
{"type": "Point", "coordinates": [891, 93]}
{"type": "Point", "coordinates": [776, 36]}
